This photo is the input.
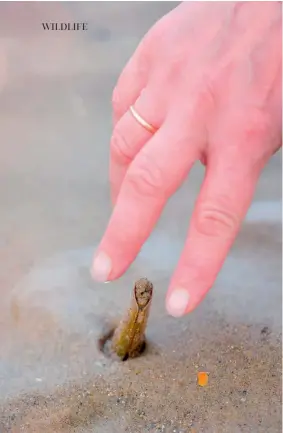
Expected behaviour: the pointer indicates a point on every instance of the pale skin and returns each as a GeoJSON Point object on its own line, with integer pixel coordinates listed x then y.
{"type": "Point", "coordinates": [208, 76]}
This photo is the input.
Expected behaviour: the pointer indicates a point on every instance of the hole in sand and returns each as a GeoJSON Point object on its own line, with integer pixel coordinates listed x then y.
{"type": "Point", "coordinates": [104, 345]}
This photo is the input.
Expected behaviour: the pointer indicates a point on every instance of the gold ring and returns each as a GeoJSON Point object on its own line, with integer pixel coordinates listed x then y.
{"type": "Point", "coordinates": [141, 121]}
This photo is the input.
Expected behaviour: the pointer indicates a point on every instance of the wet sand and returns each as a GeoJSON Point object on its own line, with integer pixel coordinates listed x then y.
{"type": "Point", "coordinates": [55, 126]}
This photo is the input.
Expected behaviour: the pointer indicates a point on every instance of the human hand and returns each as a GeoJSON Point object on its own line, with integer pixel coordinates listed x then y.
{"type": "Point", "coordinates": [208, 77]}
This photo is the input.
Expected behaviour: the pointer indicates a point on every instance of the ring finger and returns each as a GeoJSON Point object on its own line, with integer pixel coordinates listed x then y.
{"type": "Point", "coordinates": [129, 136]}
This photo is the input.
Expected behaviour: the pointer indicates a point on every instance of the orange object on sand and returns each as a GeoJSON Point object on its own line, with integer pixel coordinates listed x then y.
{"type": "Point", "coordinates": [202, 378]}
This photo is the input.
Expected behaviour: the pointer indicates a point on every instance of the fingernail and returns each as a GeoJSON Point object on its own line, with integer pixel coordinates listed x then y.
{"type": "Point", "coordinates": [101, 267]}
{"type": "Point", "coordinates": [178, 302]}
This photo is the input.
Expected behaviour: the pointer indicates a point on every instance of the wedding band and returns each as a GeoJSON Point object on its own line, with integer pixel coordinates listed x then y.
{"type": "Point", "coordinates": [141, 121]}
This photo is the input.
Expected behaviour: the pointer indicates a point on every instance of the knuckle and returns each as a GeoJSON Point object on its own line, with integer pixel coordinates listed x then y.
{"type": "Point", "coordinates": [217, 222]}
{"type": "Point", "coordinates": [120, 148]}
{"type": "Point", "coordinates": [257, 126]}
{"type": "Point", "coordinates": [146, 178]}
{"type": "Point", "coordinates": [117, 104]}
{"type": "Point", "coordinates": [257, 131]}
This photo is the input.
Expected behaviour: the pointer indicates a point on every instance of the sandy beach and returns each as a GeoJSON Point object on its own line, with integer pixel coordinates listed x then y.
{"type": "Point", "coordinates": [55, 127]}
